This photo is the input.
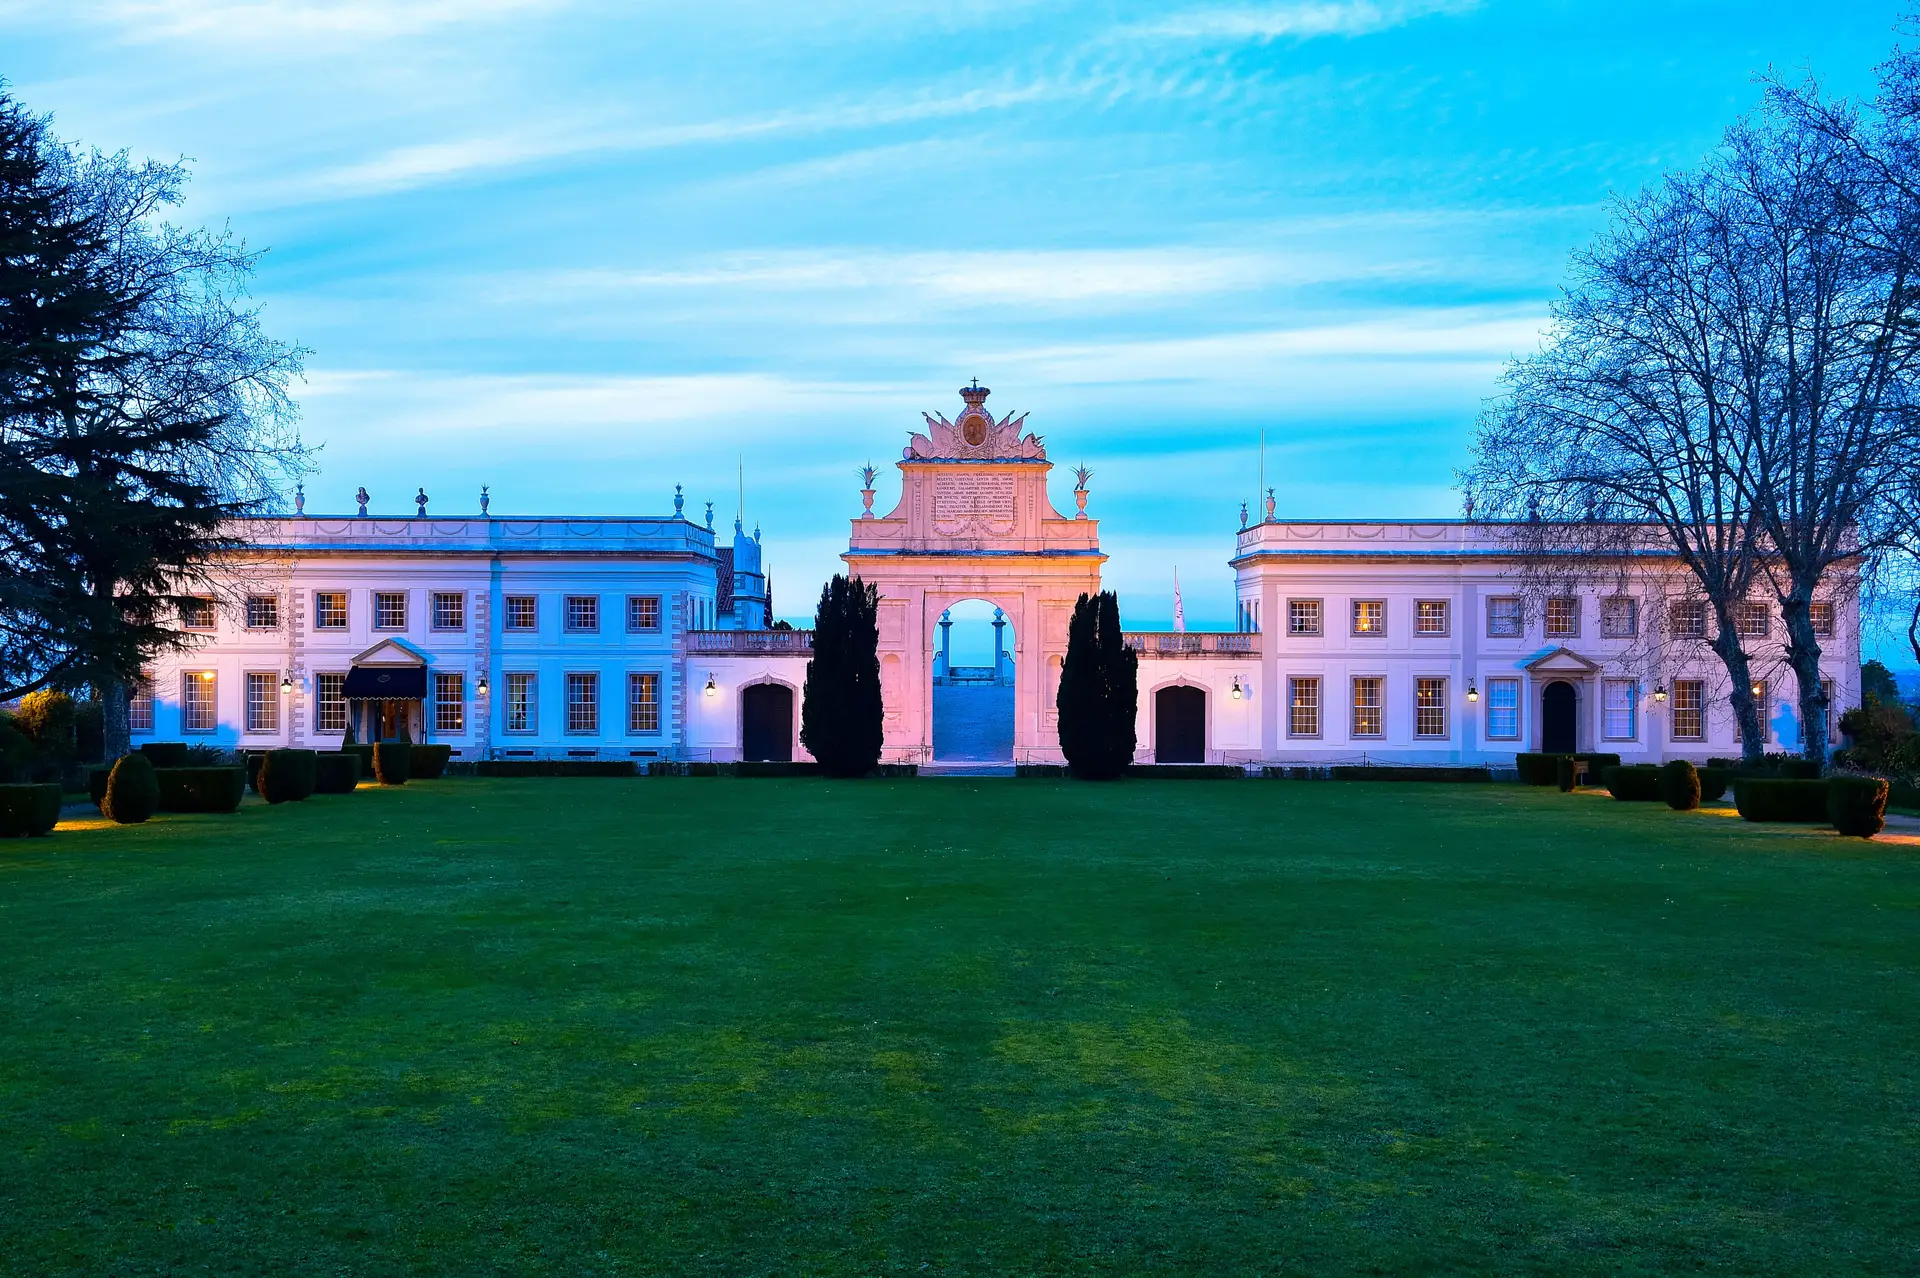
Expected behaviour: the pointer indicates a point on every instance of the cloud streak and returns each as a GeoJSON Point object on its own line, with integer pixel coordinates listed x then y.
{"type": "Point", "coordinates": [1304, 20]}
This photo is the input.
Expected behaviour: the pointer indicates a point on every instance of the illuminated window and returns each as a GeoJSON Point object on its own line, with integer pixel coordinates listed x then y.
{"type": "Point", "coordinates": [1619, 618]}
{"type": "Point", "coordinates": [520, 693]}
{"type": "Point", "coordinates": [1303, 616]}
{"type": "Point", "coordinates": [1503, 709]}
{"type": "Point", "coordinates": [1689, 710]}
{"type": "Point", "coordinates": [522, 612]}
{"type": "Point", "coordinates": [1563, 618]}
{"type": "Point", "coordinates": [140, 705]}
{"type": "Point", "coordinates": [1504, 618]}
{"type": "Point", "coordinates": [329, 610]}
{"type": "Point", "coordinates": [197, 702]}
{"type": "Point", "coordinates": [1303, 707]}
{"type": "Point", "coordinates": [449, 610]}
{"type": "Point", "coordinates": [263, 612]}
{"type": "Point", "coordinates": [643, 703]}
{"type": "Point", "coordinates": [390, 610]}
{"type": "Point", "coordinates": [1619, 702]}
{"type": "Point", "coordinates": [330, 702]}
{"type": "Point", "coordinates": [196, 614]}
{"type": "Point", "coordinates": [1429, 707]}
{"type": "Point", "coordinates": [1820, 613]}
{"type": "Point", "coordinates": [449, 702]}
{"type": "Point", "coordinates": [263, 701]}
{"type": "Point", "coordinates": [1369, 617]}
{"type": "Point", "coordinates": [1751, 619]}
{"type": "Point", "coordinates": [1366, 707]}
{"type": "Point", "coordinates": [583, 614]}
{"type": "Point", "coordinates": [1688, 619]}
{"type": "Point", "coordinates": [583, 702]}
{"type": "Point", "coordinates": [1430, 617]}
{"type": "Point", "coordinates": [643, 613]}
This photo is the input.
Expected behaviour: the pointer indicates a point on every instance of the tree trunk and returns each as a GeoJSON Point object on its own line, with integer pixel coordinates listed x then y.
{"type": "Point", "coordinates": [1803, 654]}
{"type": "Point", "coordinates": [115, 729]}
{"type": "Point", "coordinates": [1746, 711]}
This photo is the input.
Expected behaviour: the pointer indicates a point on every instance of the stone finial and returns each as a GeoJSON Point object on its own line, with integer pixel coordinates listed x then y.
{"type": "Point", "coordinates": [299, 500]}
{"type": "Point", "coordinates": [1243, 514]}
{"type": "Point", "coordinates": [420, 500]}
{"type": "Point", "coordinates": [362, 498]}
{"type": "Point", "coordinates": [484, 499]}
{"type": "Point", "coordinates": [709, 516]}
{"type": "Point", "coordinates": [1269, 505]}
{"type": "Point", "coordinates": [679, 503]}
{"type": "Point", "coordinates": [1468, 506]}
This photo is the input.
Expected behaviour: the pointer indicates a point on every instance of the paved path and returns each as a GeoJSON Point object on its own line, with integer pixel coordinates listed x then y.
{"type": "Point", "coordinates": [973, 723]}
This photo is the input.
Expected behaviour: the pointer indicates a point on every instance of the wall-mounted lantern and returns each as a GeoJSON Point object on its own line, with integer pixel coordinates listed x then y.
{"type": "Point", "coordinates": [286, 683]}
{"type": "Point", "coordinates": [1237, 694]}
{"type": "Point", "coordinates": [1473, 693]}
{"type": "Point", "coordinates": [1660, 692]}
{"type": "Point", "coordinates": [712, 689]}
{"type": "Point", "coordinates": [481, 687]}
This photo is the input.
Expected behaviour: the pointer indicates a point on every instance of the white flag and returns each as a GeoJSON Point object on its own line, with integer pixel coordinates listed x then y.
{"type": "Point", "coordinates": [1179, 613]}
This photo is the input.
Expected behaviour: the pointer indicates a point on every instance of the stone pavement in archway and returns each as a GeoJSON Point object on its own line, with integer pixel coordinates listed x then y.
{"type": "Point", "coordinates": [973, 723]}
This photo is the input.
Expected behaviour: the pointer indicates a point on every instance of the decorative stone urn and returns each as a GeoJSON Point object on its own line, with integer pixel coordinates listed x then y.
{"type": "Point", "coordinates": [363, 499]}
{"type": "Point", "coordinates": [867, 473]}
{"type": "Point", "coordinates": [1081, 475]}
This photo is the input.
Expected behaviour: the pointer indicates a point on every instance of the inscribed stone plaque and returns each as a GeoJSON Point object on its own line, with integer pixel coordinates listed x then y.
{"type": "Point", "coordinates": [973, 496]}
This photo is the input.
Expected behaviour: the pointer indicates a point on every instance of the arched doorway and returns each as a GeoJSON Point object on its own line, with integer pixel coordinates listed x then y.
{"type": "Point", "coordinates": [1558, 706]}
{"type": "Point", "coordinates": [973, 684]}
{"type": "Point", "coordinates": [1180, 725]}
{"type": "Point", "coordinates": [766, 723]}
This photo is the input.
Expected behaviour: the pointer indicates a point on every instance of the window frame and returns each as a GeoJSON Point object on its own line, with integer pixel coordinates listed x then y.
{"type": "Point", "coordinates": [1378, 707]}
{"type": "Point", "coordinates": [380, 600]}
{"type": "Point", "coordinates": [272, 602]}
{"type": "Point", "coordinates": [458, 600]}
{"type": "Point", "coordinates": [456, 723]}
{"type": "Point", "coordinates": [1687, 610]}
{"type": "Point", "coordinates": [1519, 630]}
{"type": "Point", "coordinates": [140, 694]}
{"type": "Point", "coordinates": [1547, 630]}
{"type": "Point", "coordinates": [1446, 619]}
{"type": "Point", "coordinates": [322, 702]}
{"type": "Point", "coordinates": [270, 680]}
{"type": "Point", "coordinates": [569, 681]}
{"type": "Point", "coordinates": [635, 602]}
{"type": "Point", "coordinates": [194, 602]}
{"type": "Point", "coordinates": [1608, 630]}
{"type": "Point", "coordinates": [588, 603]}
{"type": "Point", "coordinates": [1631, 709]}
{"type": "Point", "coordinates": [528, 683]}
{"type": "Point", "coordinates": [1698, 688]}
{"type": "Point", "coordinates": [189, 680]}
{"type": "Point", "coordinates": [1425, 709]}
{"type": "Point", "coordinates": [1380, 632]}
{"type": "Point", "coordinates": [511, 626]}
{"type": "Point", "coordinates": [1818, 608]}
{"type": "Point", "coordinates": [1319, 628]}
{"type": "Point", "coordinates": [635, 680]}
{"type": "Point", "coordinates": [1493, 704]}
{"type": "Point", "coordinates": [1754, 608]}
{"type": "Point", "coordinates": [320, 613]}
{"type": "Point", "coordinates": [1294, 685]}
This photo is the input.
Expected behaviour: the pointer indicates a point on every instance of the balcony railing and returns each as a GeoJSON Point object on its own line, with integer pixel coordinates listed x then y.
{"type": "Point", "coordinates": [1175, 643]}
{"type": "Point", "coordinates": [750, 643]}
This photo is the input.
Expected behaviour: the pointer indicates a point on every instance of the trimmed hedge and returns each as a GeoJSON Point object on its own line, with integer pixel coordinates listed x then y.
{"type": "Point", "coordinates": [336, 773]}
{"type": "Point", "coordinates": [1046, 771]}
{"type": "Point", "coordinates": [1390, 772]}
{"type": "Point", "coordinates": [392, 762]}
{"type": "Point", "coordinates": [430, 761]}
{"type": "Point", "coordinates": [133, 790]}
{"type": "Point", "coordinates": [1713, 783]}
{"type": "Point", "coordinates": [1563, 773]}
{"type": "Point", "coordinates": [1795, 799]}
{"type": "Point", "coordinates": [253, 760]}
{"type": "Point", "coordinates": [1188, 771]}
{"type": "Point", "coordinates": [365, 753]}
{"type": "Point", "coordinates": [1857, 806]}
{"type": "Point", "coordinates": [1680, 785]}
{"type": "Point", "coordinates": [28, 810]}
{"type": "Point", "coordinates": [773, 768]}
{"type": "Point", "coordinates": [201, 789]}
{"type": "Point", "coordinates": [1544, 769]}
{"type": "Point", "coordinates": [165, 754]}
{"type": "Point", "coordinates": [1635, 783]}
{"type": "Point", "coordinates": [97, 782]}
{"type": "Point", "coordinates": [563, 768]}
{"type": "Point", "coordinates": [287, 776]}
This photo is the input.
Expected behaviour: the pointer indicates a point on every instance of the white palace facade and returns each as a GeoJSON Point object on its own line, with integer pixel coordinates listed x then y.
{"type": "Point", "coordinates": [1411, 641]}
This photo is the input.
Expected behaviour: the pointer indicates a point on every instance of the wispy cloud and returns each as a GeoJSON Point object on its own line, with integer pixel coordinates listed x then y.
{"type": "Point", "coordinates": [283, 23]}
{"type": "Point", "coordinates": [1300, 20]}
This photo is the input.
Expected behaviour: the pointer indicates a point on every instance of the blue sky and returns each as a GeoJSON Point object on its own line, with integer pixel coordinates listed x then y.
{"type": "Point", "coordinates": [581, 252]}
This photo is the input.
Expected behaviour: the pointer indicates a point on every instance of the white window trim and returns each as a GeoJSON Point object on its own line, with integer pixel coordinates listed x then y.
{"type": "Point", "coordinates": [1446, 619]}
{"type": "Point", "coordinates": [1633, 709]}
{"type": "Point", "coordinates": [1519, 704]}
{"type": "Point", "coordinates": [1519, 617]}
{"type": "Point", "coordinates": [405, 608]}
{"type": "Point", "coordinates": [533, 702]}
{"type": "Point", "coordinates": [509, 625]}
{"type": "Point", "coordinates": [1380, 708]}
{"type": "Point", "coordinates": [1320, 626]}
{"type": "Point", "coordinates": [1353, 619]}
{"type": "Point", "coordinates": [346, 612]}
{"type": "Point", "coordinates": [659, 704]}
{"type": "Point", "coordinates": [566, 699]}
{"type": "Point", "coordinates": [1319, 710]}
{"type": "Point", "coordinates": [272, 678]}
{"type": "Point", "coordinates": [1446, 709]}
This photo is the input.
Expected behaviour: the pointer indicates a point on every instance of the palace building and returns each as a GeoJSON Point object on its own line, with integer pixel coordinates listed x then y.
{"type": "Point", "coordinates": [1416, 641]}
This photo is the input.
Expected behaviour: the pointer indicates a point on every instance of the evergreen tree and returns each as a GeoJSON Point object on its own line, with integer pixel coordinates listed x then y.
{"type": "Point", "coordinates": [840, 715]}
{"type": "Point", "coordinates": [1099, 690]}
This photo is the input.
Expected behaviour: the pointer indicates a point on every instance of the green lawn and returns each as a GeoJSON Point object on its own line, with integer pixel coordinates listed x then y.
{"type": "Point", "coordinates": [942, 1027]}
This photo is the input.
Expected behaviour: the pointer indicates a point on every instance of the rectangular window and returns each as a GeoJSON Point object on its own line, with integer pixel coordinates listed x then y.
{"type": "Point", "coordinates": [1303, 616]}
{"type": "Point", "coordinates": [1369, 617]}
{"type": "Point", "coordinates": [196, 702]}
{"type": "Point", "coordinates": [1688, 619]}
{"type": "Point", "coordinates": [263, 612]}
{"type": "Point", "coordinates": [522, 612]}
{"type": "Point", "coordinates": [1504, 618]}
{"type": "Point", "coordinates": [1366, 707]}
{"type": "Point", "coordinates": [1563, 618]}
{"type": "Point", "coordinates": [329, 610]}
{"type": "Point", "coordinates": [1619, 618]}
{"type": "Point", "coordinates": [1503, 709]}
{"type": "Point", "coordinates": [1820, 613]}
{"type": "Point", "coordinates": [263, 702]}
{"type": "Point", "coordinates": [196, 614]}
{"type": "Point", "coordinates": [449, 702]}
{"type": "Point", "coordinates": [330, 702]}
{"type": "Point", "coordinates": [1429, 707]}
{"type": "Point", "coordinates": [583, 614]}
{"type": "Point", "coordinates": [1751, 619]}
{"type": "Point", "coordinates": [1619, 707]}
{"type": "Point", "coordinates": [1303, 708]}
{"type": "Point", "coordinates": [1689, 710]}
{"type": "Point", "coordinates": [1430, 617]}
{"type": "Point", "coordinates": [643, 703]}
{"type": "Point", "coordinates": [389, 610]}
{"type": "Point", "coordinates": [520, 708]}
{"type": "Point", "coordinates": [643, 614]}
{"type": "Point", "coordinates": [449, 610]}
{"type": "Point", "coordinates": [140, 705]}
{"type": "Point", "coordinates": [583, 702]}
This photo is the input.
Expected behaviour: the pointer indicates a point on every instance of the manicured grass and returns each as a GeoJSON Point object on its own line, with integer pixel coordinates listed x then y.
{"type": "Point", "coordinates": [792, 1027]}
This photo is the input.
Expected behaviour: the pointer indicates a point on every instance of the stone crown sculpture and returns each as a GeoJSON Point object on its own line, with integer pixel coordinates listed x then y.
{"type": "Point", "coordinates": [974, 435]}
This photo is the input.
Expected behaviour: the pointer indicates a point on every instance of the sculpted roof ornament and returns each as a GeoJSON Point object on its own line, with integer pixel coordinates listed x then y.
{"type": "Point", "coordinates": [974, 435]}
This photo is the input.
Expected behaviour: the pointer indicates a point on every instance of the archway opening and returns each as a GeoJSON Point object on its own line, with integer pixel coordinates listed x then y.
{"type": "Point", "coordinates": [973, 684]}
{"type": "Point", "coordinates": [766, 723]}
{"type": "Point", "coordinates": [1180, 725]}
{"type": "Point", "coordinates": [1557, 703]}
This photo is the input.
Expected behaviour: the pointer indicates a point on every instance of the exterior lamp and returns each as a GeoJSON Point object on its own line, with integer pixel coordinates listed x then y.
{"type": "Point", "coordinates": [1473, 693]}
{"type": "Point", "coordinates": [711, 690]}
{"type": "Point", "coordinates": [286, 683]}
{"type": "Point", "coordinates": [1237, 694]}
{"type": "Point", "coordinates": [481, 687]}
{"type": "Point", "coordinates": [1756, 688]}
{"type": "Point", "coordinates": [1660, 693]}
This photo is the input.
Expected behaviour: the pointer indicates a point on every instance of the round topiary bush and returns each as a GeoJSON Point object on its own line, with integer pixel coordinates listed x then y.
{"type": "Point", "coordinates": [1635, 783]}
{"type": "Point", "coordinates": [392, 760]}
{"type": "Point", "coordinates": [287, 776]}
{"type": "Point", "coordinates": [1714, 782]}
{"type": "Point", "coordinates": [1563, 773]}
{"type": "Point", "coordinates": [133, 792]}
{"type": "Point", "coordinates": [1680, 785]}
{"type": "Point", "coordinates": [1857, 806]}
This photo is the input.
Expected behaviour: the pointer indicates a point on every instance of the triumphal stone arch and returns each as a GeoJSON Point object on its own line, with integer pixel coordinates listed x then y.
{"type": "Point", "coordinates": [974, 522]}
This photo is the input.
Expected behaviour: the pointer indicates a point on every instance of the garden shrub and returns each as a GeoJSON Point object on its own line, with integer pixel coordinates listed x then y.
{"type": "Point", "coordinates": [1713, 783]}
{"type": "Point", "coordinates": [365, 753]}
{"type": "Point", "coordinates": [575, 768]}
{"type": "Point", "coordinates": [430, 761]}
{"type": "Point", "coordinates": [1537, 769]}
{"type": "Point", "coordinates": [336, 773]}
{"type": "Point", "coordinates": [1857, 806]}
{"type": "Point", "coordinates": [1800, 769]}
{"type": "Point", "coordinates": [1680, 785]}
{"type": "Point", "coordinates": [392, 762]}
{"type": "Point", "coordinates": [775, 768]}
{"type": "Point", "coordinates": [1563, 773]}
{"type": "Point", "coordinates": [1635, 783]}
{"type": "Point", "coordinates": [166, 754]}
{"type": "Point", "coordinates": [97, 782]}
{"type": "Point", "coordinates": [217, 789]}
{"type": "Point", "coordinates": [1793, 799]}
{"type": "Point", "coordinates": [286, 776]}
{"type": "Point", "coordinates": [29, 810]}
{"type": "Point", "coordinates": [253, 760]}
{"type": "Point", "coordinates": [1188, 771]}
{"type": "Point", "coordinates": [133, 791]}
{"type": "Point", "coordinates": [16, 751]}
{"type": "Point", "coordinates": [1380, 772]}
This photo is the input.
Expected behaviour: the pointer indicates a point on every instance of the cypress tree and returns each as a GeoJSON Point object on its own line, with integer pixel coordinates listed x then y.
{"type": "Point", "coordinates": [840, 713]}
{"type": "Point", "coordinates": [1099, 690]}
